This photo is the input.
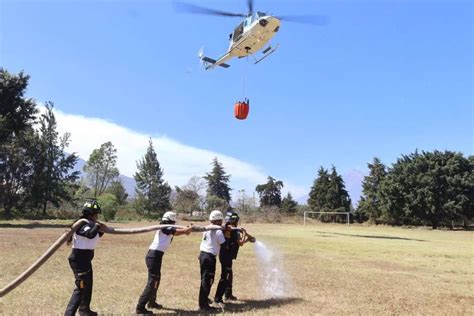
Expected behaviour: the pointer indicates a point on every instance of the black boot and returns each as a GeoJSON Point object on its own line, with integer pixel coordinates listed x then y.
{"type": "Point", "coordinates": [208, 309]}
{"type": "Point", "coordinates": [230, 297]}
{"type": "Point", "coordinates": [143, 311]}
{"type": "Point", "coordinates": [154, 305]}
{"type": "Point", "coordinates": [87, 312]}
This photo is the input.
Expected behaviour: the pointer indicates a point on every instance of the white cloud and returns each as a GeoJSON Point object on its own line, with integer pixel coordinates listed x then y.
{"type": "Point", "coordinates": [179, 161]}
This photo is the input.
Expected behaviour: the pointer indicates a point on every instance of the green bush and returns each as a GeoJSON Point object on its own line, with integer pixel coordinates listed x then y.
{"type": "Point", "coordinates": [109, 205]}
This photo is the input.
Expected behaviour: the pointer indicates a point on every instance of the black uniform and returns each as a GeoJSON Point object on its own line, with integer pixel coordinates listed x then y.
{"type": "Point", "coordinates": [207, 261]}
{"type": "Point", "coordinates": [80, 261]}
{"type": "Point", "coordinates": [227, 254]}
{"type": "Point", "coordinates": [153, 261]}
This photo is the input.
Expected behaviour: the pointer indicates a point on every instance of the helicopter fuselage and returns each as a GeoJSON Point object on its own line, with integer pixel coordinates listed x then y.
{"type": "Point", "coordinates": [248, 38]}
{"type": "Point", "coordinates": [252, 35]}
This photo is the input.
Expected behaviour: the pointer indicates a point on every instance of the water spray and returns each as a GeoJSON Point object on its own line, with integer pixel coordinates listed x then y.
{"type": "Point", "coordinates": [275, 282]}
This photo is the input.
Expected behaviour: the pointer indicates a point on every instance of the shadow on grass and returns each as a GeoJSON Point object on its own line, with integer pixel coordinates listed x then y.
{"type": "Point", "coordinates": [241, 306]}
{"type": "Point", "coordinates": [34, 225]}
{"type": "Point", "coordinates": [369, 236]}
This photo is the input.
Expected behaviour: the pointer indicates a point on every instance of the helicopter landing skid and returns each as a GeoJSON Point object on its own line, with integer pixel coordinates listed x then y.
{"type": "Point", "coordinates": [267, 52]}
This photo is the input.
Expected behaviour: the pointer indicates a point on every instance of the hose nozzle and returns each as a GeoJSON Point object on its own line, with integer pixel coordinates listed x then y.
{"type": "Point", "coordinates": [251, 238]}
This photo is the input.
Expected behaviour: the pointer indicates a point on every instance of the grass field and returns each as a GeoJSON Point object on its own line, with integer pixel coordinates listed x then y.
{"type": "Point", "coordinates": [333, 269]}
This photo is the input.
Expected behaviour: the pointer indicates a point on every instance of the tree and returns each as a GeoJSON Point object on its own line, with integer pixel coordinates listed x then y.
{"type": "Point", "coordinates": [118, 190]}
{"type": "Point", "coordinates": [17, 113]}
{"type": "Point", "coordinates": [318, 199]}
{"type": "Point", "coordinates": [52, 176]}
{"type": "Point", "coordinates": [82, 193]}
{"type": "Point", "coordinates": [217, 182]}
{"type": "Point", "coordinates": [289, 205]}
{"type": "Point", "coordinates": [339, 199]}
{"type": "Point", "coordinates": [109, 205]}
{"type": "Point", "coordinates": [17, 116]}
{"type": "Point", "coordinates": [17, 160]}
{"type": "Point", "coordinates": [369, 207]}
{"type": "Point", "coordinates": [216, 203]}
{"type": "Point", "coordinates": [101, 168]}
{"type": "Point", "coordinates": [153, 193]}
{"type": "Point", "coordinates": [186, 200]}
{"type": "Point", "coordinates": [198, 185]}
{"type": "Point", "coordinates": [328, 193]}
{"type": "Point", "coordinates": [431, 187]}
{"type": "Point", "coordinates": [270, 192]}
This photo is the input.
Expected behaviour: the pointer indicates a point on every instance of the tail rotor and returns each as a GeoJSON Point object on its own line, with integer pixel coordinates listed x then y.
{"type": "Point", "coordinates": [201, 54]}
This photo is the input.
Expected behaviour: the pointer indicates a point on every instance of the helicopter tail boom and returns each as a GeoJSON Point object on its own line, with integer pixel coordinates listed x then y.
{"type": "Point", "coordinates": [210, 63]}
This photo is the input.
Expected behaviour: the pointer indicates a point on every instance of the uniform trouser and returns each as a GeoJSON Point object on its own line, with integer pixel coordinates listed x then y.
{"type": "Point", "coordinates": [81, 265]}
{"type": "Point", "coordinates": [207, 262]}
{"type": "Point", "coordinates": [225, 283]}
{"type": "Point", "coordinates": [153, 262]}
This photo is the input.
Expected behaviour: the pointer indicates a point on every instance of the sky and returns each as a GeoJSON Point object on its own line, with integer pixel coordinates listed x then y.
{"type": "Point", "coordinates": [383, 78]}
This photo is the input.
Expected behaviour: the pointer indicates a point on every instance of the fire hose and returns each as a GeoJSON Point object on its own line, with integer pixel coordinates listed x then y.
{"type": "Point", "coordinates": [109, 230]}
{"type": "Point", "coordinates": [67, 234]}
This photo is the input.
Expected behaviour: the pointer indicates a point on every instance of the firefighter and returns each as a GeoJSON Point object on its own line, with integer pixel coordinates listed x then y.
{"type": "Point", "coordinates": [84, 242]}
{"type": "Point", "coordinates": [234, 239]}
{"type": "Point", "coordinates": [153, 259]}
{"type": "Point", "coordinates": [209, 249]}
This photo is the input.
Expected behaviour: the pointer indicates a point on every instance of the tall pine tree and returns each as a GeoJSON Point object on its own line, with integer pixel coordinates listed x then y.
{"type": "Point", "coordinates": [369, 207]}
{"type": "Point", "coordinates": [289, 205]}
{"type": "Point", "coordinates": [339, 200]}
{"type": "Point", "coordinates": [217, 182]}
{"type": "Point", "coordinates": [328, 193]}
{"type": "Point", "coordinates": [318, 197]}
{"type": "Point", "coordinates": [153, 193]}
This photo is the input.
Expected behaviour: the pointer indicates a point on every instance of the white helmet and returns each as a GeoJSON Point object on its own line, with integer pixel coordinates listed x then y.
{"type": "Point", "coordinates": [216, 215]}
{"type": "Point", "coordinates": [169, 216]}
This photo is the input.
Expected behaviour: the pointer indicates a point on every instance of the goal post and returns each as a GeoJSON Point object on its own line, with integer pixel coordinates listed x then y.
{"type": "Point", "coordinates": [348, 220]}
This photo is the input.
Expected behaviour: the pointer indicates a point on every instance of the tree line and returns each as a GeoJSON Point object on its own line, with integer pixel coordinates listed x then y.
{"type": "Point", "coordinates": [36, 174]}
{"type": "Point", "coordinates": [428, 188]}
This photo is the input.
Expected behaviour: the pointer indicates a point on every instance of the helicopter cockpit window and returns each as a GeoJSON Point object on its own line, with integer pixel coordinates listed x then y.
{"type": "Point", "coordinates": [238, 32]}
{"type": "Point", "coordinates": [248, 21]}
{"type": "Point", "coordinates": [260, 14]}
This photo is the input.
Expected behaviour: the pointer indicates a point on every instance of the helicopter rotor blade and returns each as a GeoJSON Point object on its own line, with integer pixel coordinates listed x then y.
{"type": "Point", "coordinates": [250, 6]}
{"type": "Point", "coordinates": [306, 19]}
{"type": "Point", "coordinates": [191, 8]}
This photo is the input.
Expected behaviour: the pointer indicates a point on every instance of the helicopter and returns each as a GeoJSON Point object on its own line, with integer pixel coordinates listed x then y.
{"type": "Point", "coordinates": [251, 35]}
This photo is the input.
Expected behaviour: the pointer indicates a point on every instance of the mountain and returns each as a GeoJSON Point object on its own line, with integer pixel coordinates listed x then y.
{"type": "Point", "coordinates": [128, 182]}
{"type": "Point", "coordinates": [353, 181]}
{"type": "Point", "coordinates": [303, 199]}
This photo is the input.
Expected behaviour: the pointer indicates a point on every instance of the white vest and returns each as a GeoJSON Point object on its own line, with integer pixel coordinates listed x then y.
{"type": "Point", "coordinates": [79, 242]}
{"type": "Point", "coordinates": [161, 241]}
{"type": "Point", "coordinates": [211, 241]}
